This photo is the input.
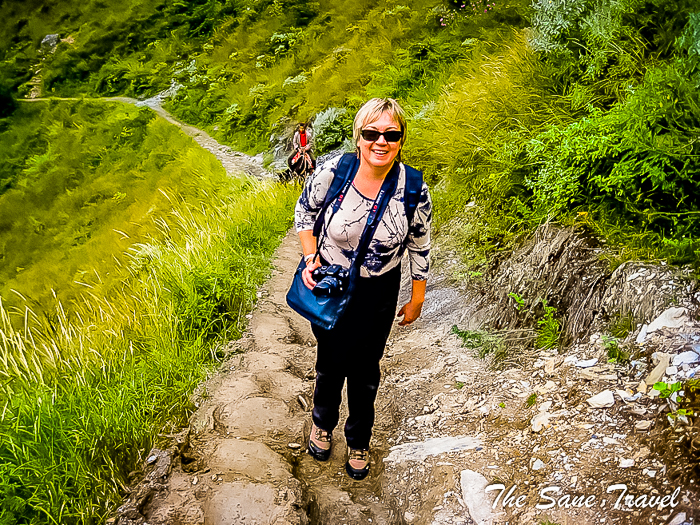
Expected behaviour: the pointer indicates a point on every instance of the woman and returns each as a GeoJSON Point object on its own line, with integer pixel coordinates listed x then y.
{"type": "Point", "coordinates": [354, 347]}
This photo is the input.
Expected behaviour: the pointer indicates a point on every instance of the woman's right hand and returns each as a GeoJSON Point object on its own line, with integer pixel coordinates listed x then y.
{"type": "Point", "coordinates": [306, 272]}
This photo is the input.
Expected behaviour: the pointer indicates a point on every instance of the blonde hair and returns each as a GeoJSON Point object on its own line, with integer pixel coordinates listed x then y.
{"type": "Point", "coordinates": [372, 110]}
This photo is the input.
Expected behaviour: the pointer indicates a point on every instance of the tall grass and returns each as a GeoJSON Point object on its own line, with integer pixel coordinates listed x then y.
{"type": "Point", "coordinates": [85, 393]}
{"type": "Point", "coordinates": [82, 184]}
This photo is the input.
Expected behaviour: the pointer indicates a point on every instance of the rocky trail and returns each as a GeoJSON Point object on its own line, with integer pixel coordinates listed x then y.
{"type": "Point", "coordinates": [567, 433]}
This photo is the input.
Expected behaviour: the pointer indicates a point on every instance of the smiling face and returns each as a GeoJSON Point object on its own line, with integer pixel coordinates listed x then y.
{"type": "Point", "coordinates": [380, 154]}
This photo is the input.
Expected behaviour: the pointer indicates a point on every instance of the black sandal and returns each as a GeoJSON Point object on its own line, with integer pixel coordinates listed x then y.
{"type": "Point", "coordinates": [318, 453]}
{"type": "Point", "coordinates": [357, 454]}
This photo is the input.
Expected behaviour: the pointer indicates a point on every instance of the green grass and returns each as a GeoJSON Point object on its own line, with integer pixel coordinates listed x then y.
{"type": "Point", "coordinates": [84, 393]}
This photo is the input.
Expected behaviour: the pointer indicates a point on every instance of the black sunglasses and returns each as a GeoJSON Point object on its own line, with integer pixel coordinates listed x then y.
{"type": "Point", "coordinates": [372, 135]}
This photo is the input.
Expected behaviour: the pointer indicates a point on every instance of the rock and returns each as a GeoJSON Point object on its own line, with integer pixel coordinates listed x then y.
{"type": "Point", "coordinates": [550, 386]}
{"type": "Point", "coordinates": [672, 318]}
{"type": "Point", "coordinates": [451, 361]}
{"type": "Point", "coordinates": [627, 397]}
{"type": "Point", "coordinates": [549, 365]}
{"type": "Point", "coordinates": [603, 400]}
{"type": "Point", "coordinates": [588, 363]}
{"type": "Point", "coordinates": [163, 462]}
{"type": "Point", "coordinates": [626, 463]}
{"type": "Point", "coordinates": [431, 447]}
{"type": "Point", "coordinates": [678, 519]}
{"type": "Point", "coordinates": [540, 420]}
{"type": "Point", "coordinates": [475, 497]}
{"type": "Point", "coordinates": [538, 464]}
{"type": "Point", "coordinates": [642, 387]}
{"type": "Point", "coordinates": [672, 370]}
{"type": "Point", "coordinates": [592, 376]}
{"type": "Point", "coordinates": [642, 335]}
{"type": "Point", "coordinates": [643, 425]}
{"type": "Point", "coordinates": [129, 511]}
{"type": "Point", "coordinates": [658, 372]}
{"type": "Point", "coordinates": [650, 473]}
{"type": "Point", "coordinates": [49, 43]}
{"type": "Point", "coordinates": [686, 358]}
{"type": "Point", "coordinates": [294, 446]}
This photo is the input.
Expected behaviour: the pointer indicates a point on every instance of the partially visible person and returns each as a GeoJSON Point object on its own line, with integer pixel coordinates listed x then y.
{"type": "Point", "coordinates": [302, 147]}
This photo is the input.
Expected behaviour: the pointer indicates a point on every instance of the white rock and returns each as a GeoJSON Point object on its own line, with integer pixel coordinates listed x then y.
{"type": "Point", "coordinates": [476, 498]}
{"type": "Point", "coordinates": [431, 447]}
{"type": "Point", "coordinates": [642, 335]}
{"type": "Point", "coordinates": [540, 420]}
{"type": "Point", "coordinates": [671, 370]}
{"type": "Point", "coordinates": [626, 396]}
{"type": "Point", "coordinates": [549, 386]}
{"type": "Point", "coordinates": [643, 425]}
{"type": "Point", "coordinates": [538, 464]}
{"type": "Point", "coordinates": [650, 473]}
{"type": "Point", "coordinates": [570, 359]}
{"type": "Point", "coordinates": [658, 372]}
{"type": "Point", "coordinates": [588, 363]}
{"type": "Point", "coordinates": [678, 519]}
{"type": "Point", "coordinates": [603, 400]}
{"type": "Point", "coordinates": [686, 358]}
{"type": "Point", "coordinates": [671, 318]}
{"type": "Point", "coordinates": [626, 463]}
{"type": "Point", "coordinates": [549, 365]}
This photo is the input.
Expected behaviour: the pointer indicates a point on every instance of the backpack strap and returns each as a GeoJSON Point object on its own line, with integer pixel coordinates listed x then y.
{"type": "Point", "coordinates": [414, 187]}
{"type": "Point", "coordinates": [346, 167]}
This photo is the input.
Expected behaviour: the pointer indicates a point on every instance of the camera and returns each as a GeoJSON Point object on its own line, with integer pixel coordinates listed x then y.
{"type": "Point", "coordinates": [330, 280]}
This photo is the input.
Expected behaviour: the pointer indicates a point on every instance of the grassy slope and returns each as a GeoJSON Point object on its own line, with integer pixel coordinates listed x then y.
{"type": "Point", "coordinates": [84, 185]}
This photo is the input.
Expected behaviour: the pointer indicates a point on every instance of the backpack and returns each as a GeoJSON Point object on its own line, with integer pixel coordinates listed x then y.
{"type": "Point", "coordinates": [347, 166]}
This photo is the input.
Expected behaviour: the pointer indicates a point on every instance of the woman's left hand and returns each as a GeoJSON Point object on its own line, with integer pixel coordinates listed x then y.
{"type": "Point", "coordinates": [410, 311]}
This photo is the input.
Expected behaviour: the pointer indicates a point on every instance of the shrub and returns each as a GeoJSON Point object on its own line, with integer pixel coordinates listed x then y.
{"type": "Point", "coordinates": [330, 129]}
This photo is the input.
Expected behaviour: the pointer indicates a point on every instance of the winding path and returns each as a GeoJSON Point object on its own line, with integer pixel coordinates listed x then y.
{"type": "Point", "coordinates": [234, 162]}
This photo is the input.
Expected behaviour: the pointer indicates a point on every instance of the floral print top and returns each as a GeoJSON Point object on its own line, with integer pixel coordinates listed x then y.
{"type": "Point", "coordinates": [340, 237]}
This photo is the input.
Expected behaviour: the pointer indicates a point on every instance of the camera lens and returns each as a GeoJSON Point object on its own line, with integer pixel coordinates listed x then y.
{"type": "Point", "coordinates": [326, 287]}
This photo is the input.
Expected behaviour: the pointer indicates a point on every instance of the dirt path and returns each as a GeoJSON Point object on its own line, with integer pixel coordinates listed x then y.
{"type": "Point", "coordinates": [234, 162]}
{"type": "Point", "coordinates": [447, 427]}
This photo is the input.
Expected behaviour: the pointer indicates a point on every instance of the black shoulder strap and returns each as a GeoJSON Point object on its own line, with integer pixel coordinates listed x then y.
{"type": "Point", "coordinates": [345, 168]}
{"type": "Point", "coordinates": [414, 187]}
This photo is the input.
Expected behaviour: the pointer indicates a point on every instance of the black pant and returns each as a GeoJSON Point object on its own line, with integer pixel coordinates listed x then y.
{"type": "Point", "coordinates": [352, 350]}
